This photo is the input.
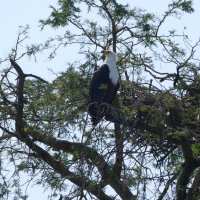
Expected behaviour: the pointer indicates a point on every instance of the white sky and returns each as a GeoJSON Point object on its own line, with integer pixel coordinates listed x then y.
{"type": "Point", "coordinates": [15, 13]}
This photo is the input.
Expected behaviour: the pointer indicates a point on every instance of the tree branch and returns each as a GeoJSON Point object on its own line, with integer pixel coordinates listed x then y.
{"type": "Point", "coordinates": [187, 168]}
{"type": "Point", "coordinates": [88, 153]}
{"type": "Point", "coordinates": [20, 97]}
{"type": "Point", "coordinates": [119, 150]}
{"type": "Point", "coordinates": [195, 188]}
{"type": "Point", "coordinates": [167, 185]}
{"type": "Point", "coordinates": [60, 168]}
{"type": "Point", "coordinates": [37, 77]}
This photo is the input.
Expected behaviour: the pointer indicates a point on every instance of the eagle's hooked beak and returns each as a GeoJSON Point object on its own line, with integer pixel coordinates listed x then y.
{"type": "Point", "coordinates": [105, 52]}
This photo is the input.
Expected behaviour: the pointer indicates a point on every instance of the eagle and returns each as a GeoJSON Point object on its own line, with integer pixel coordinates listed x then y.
{"type": "Point", "coordinates": [103, 86]}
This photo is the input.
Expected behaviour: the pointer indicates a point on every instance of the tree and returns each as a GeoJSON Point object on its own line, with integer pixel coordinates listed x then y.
{"type": "Point", "coordinates": [148, 145]}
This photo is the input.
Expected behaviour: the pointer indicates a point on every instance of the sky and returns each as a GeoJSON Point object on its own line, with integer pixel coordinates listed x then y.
{"type": "Point", "coordinates": [22, 12]}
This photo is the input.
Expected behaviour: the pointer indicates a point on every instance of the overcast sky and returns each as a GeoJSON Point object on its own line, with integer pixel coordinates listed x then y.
{"type": "Point", "coordinates": [15, 13]}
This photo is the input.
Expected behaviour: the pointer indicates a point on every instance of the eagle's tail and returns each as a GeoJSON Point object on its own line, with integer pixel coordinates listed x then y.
{"type": "Point", "coordinates": [97, 111]}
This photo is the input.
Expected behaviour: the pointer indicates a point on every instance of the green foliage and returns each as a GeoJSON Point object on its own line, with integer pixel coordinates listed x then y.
{"type": "Point", "coordinates": [186, 6]}
{"type": "Point", "coordinates": [146, 148]}
{"type": "Point", "coordinates": [22, 166]}
{"type": "Point", "coordinates": [196, 149]}
{"type": "Point", "coordinates": [59, 17]}
{"type": "Point", "coordinates": [117, 10]}
{"type": "Point", "coordinates": [58, 105]}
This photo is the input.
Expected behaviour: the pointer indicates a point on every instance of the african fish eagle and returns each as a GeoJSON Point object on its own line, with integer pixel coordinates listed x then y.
{"type": "Point", "coordinates": [103, 86]}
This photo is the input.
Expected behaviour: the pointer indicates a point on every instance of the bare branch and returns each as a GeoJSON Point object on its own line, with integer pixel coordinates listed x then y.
{"type": "Point", "coordinates": [37, 77]}
{"type": "Point", "coordinates": [167, 185]}
{"type": "Point", "coordinates": [188, 167]}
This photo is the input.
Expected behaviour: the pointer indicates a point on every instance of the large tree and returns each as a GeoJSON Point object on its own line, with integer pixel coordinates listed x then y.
{"type": "Point", "coordinates": [148, 145]}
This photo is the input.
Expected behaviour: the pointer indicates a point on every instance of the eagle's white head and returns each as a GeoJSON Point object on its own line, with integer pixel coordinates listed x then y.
{"type": "Point", "coordinates": [110, 56]}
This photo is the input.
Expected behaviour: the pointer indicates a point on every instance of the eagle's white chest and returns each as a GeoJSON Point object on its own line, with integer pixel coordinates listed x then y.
{"type": "Point", "coordinates": [114, 74]}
